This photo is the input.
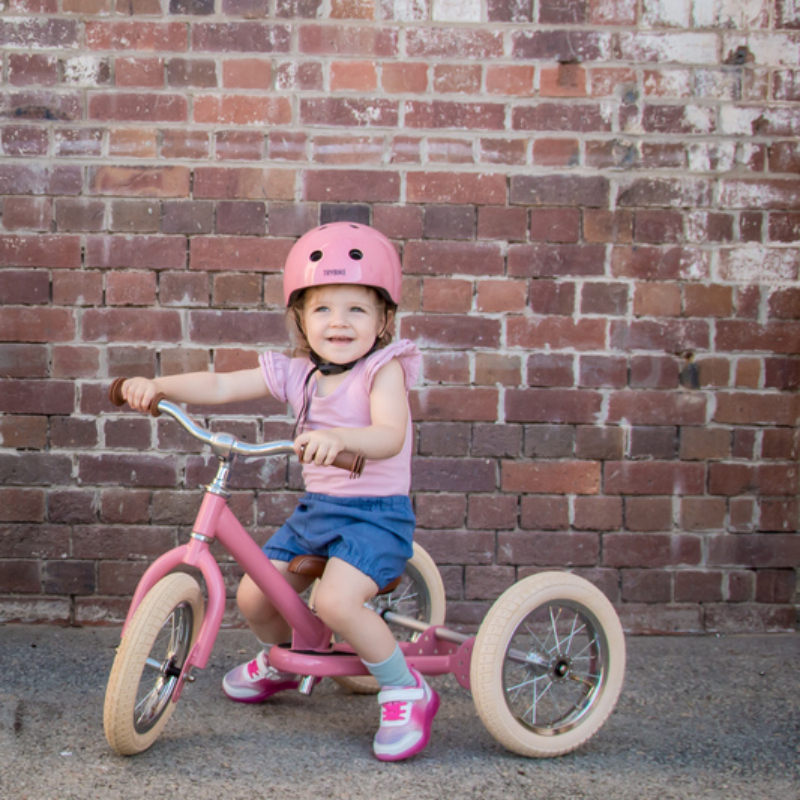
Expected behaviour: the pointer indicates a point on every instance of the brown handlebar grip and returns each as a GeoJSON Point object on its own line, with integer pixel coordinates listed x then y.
{"type": "Point", "coordinates": [115, 396]}
{"type": "Point", "coordinates": [353, 462]}
{"type": "Point", "coordinates": [115, 392]}
{"type": "Point", "coordinates": [154, 412]}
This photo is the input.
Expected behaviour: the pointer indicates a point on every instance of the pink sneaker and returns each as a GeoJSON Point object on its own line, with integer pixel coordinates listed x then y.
{"type": "Point", "coordinates": [407, 714]}
{"type": "Point", "coordinates": [256, 680]}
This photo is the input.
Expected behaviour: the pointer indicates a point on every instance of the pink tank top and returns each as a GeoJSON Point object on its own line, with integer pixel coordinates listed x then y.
{"type": "Point", "coordinates": [347, 407]}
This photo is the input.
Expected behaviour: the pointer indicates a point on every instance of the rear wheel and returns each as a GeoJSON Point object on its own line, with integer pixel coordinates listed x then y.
{"type": "Point", "coordinates": [420, 595]}
{"type": "Point", "coordinates": [149, 662]}
{"type": "Point", "coordinates": [548, 665]}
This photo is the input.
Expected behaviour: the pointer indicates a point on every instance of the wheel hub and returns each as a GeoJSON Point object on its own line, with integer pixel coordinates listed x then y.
{"type": "Point", "coordinates": [560, 668]}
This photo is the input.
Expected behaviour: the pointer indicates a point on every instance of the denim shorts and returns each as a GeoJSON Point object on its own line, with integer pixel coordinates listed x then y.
{"type": "Point", "coordinates": [373, 534]}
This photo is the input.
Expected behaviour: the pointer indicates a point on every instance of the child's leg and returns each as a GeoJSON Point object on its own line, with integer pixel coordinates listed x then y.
{"type": "Point", "coordinates": [256, 680]}
{"type": "Point", "coordinates": [262, 617]}
{"type": "Point", "coordinates": [408, 704]}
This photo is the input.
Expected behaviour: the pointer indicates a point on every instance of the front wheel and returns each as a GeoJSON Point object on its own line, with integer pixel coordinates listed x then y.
{"type": "Point", "coordinates": [420, 595]}
{"type": "Point", "coordinates": [149, 662]}
{"type": "Point", "coordinates": [548, 665]}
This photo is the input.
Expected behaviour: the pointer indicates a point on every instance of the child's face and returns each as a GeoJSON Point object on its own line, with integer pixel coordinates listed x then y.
{"type": "Point", "coordinates": [342, 321]}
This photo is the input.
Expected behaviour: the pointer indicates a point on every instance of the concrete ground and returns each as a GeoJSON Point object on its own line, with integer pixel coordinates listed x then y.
{"type": "Point", "coordinates": [699, 717]}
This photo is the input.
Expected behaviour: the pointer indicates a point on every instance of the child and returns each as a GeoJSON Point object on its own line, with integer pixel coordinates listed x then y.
{"type": "Point", "coordinates": [348, 387]}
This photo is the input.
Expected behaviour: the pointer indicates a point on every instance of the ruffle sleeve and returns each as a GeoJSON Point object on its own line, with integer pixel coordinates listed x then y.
{"type": "Point", "coordinates": [275, 369]}
{"type": "Point", "coordinates": [405, 351]}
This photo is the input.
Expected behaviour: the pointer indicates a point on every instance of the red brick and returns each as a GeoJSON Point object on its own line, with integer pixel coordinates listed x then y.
{"type": "Point", "coordinates": [646, 586]}
{"type": "Point", "coordinates": [497, 296]}
{"type": "Point", "coordinates": [599, 443]}
{"type": "Point", "coordinates": [352, 185]}
{"type": "Point", "coordinates": [453, 331]}
{"type": "Point", "coordinates": [146, 182]}
{"type": "Point", "coordinates": [239, 145]}
{"type": "Point", "coordinates": [539, 512]}
{"type": "Point", "coordinates": [23, 432]}
{"type": "Point", "coordinates": [742, 408]}
{"type": "Point", "coordinates": [124, 251]}
{"type": "Point", "coordinates": [348, 112]}
{"type": "Point", "coordinates": [657, 300]}
{"type": "Point", "coordinates": [24, 361]}
{"type": "Point", "coordinates": [20, 577]}
{"type": "Point", "coordinates": [22, 505]}
{"type": "Point", "coordinates": [775, 550]}
{"type": "Point", "coordinates": [698, 586]}
{"type": "Point", "coordinates": [440, 510]}
{"type": "Point", "coordinates": [444, 439]}
{"type": "Point", "coordinates": [487, 582]}
{"type": "Point", "coordinates": [776, 337]}
{"type": "Point", "coordinates": [138, 325]}
{"type": "Point", "coordinates": [139, 35]}
{"type": "Point", "coordinates": [651, 550]}
{"type": "Point", "coordinates": [598, 513]}
{"type": "Point", "coordinates": [550, 370]}
{"type": "Point", "coordinates": [442, 367]}
{"type": "Point", "coordinates": [555, 225]}
{"type": "Point", "coordinates": [578, 477]}
{"type": "Point", "coordinates": [76, 362]}
{"type": "Point", "coordinates": [451, 403]}
{"type": "Point", "coordinates": [445, 258]}
{"type": "Point", "coordinates": [560, 549]}
{"type": "Point", "coordinates": [404, 78]}
{"type": "Point", "coordinates": [603, 371]}
{"type": "Point", "coordinates": [567, 117]}
{"type": "Point", "coordinates": [248, 253]}
{"type": "Point", "coordinates": [225, 327]}
{"type": "Point", "coordinates": [648, 513]}
{"type": "Point", "coordinates": [552, 405]}
{"type": "Point", "coordinates": [131, 288]}
{"type": "Point", "coordinates": [37, 325]}
{"type": "Point", "coordinates": [781, 443]}
{"type": "Point", "coordinates": [126, 506]}
{"type": "Point", "coordinates": [553, 297]}
{"type": "Point", "coordinates": [775, 586]}
{"type": "Point", "coordinates": [446, 187]}
{"type": "Point", "coordinates": [557, 333]}
{"type": "Point", "coordinates": [137, 107]}
{"type": "Point", "coordinates": [653, 478]}
{"type": "Point", "coordinates": [493, 512]}
{"type": "Point", "coordinates": [139, 72]}
{"type": "Point", "coordinates": [51, 251]}
{"type": "Point", "coordinates": [454, 474]}
{"type": "Point", "coordinates": [655, 408]}
{"type": "Point", "coordinates": [27, 212]}
{"type": "Point", "coordinates": [734, 479]}
{"type": "Point", "coordinates": [37, 397]}
{"type": "Point", "coordinates": [546, 260]}
{"type": "Point", "coordinates": [491, 369]}
{"type": "Point", "coordinates": [565, 80]}
{"type": "Point", "coordinates": [237, 109]}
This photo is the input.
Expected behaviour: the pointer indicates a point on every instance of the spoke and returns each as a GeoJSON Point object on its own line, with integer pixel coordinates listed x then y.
{"type": "Point", "coordinates": [580, 653]}
{"type": "Point", "coordinates": [574, 633]}
{"type": "Point", "coordinates": [554, 627]}
{"type": "Point", "coordinates": [536, 698]}
{"type": "Point", "coordinates": [153, 664]}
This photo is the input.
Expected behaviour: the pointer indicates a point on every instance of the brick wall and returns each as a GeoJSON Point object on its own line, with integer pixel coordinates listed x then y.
{"type": "Point", "coordinates": [598, 208]}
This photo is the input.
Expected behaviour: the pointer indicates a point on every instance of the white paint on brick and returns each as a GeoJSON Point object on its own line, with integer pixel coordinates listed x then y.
{"type": "Point", "coordinates": [734, 14]}
{"type": "Point", "coordinates": [767, 50]}
{"type": "Point", "coordinates": [754, 263]}
{"type": "Point", "coordinates": [678, 48]}
{"type": "Point", "coordinates": [780, 122]}
{"type": "Point", "coordinates": [701, 118]}
{"type": "Point", "coordinates": [82, 71]}
{"type": "Point", "coordinates": [712, 157]}
{"type": "Point", "coordinates": [408, 10]}
{"type": "Point", "coordinates": [667, 14]}
{"type": "Point", "coordinates": [457, 10]}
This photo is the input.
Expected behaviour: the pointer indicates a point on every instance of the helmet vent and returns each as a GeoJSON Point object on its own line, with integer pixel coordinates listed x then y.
{"type": "Point", "coordinates": [316, 255]}
{"type": "Point", "coordinates": [356, 255]}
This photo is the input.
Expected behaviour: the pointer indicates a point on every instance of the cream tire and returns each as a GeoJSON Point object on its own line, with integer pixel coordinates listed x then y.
{"type": "Point", "coordinates": [548, 665]}
{"type": "Point", "coordinates": [148, 663]}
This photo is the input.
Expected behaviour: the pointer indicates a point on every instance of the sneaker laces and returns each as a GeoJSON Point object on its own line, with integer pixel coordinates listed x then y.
{"type": "Point", "coordinates": [260, 669]}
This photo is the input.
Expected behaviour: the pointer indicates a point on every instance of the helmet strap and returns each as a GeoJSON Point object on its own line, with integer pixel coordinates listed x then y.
{"type": "Point", "coordinates": [324, 368]}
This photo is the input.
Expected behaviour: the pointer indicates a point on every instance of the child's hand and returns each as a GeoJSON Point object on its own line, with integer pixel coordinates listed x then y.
{"type": "Point", "coordinates": [321, 447]}
{"type": "Point", "coordinates": [139, 393]}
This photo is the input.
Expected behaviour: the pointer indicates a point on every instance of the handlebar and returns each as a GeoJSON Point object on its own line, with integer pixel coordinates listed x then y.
{"type": "Point", "coordinates": [225, 444]}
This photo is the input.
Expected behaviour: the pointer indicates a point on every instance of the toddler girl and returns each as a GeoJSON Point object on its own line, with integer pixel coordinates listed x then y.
{"type": "Point", "coordinates": [348, 386]}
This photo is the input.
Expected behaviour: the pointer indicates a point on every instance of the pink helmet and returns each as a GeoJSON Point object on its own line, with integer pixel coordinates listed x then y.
{"type": "Point", "coordinates": [343, 252]}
